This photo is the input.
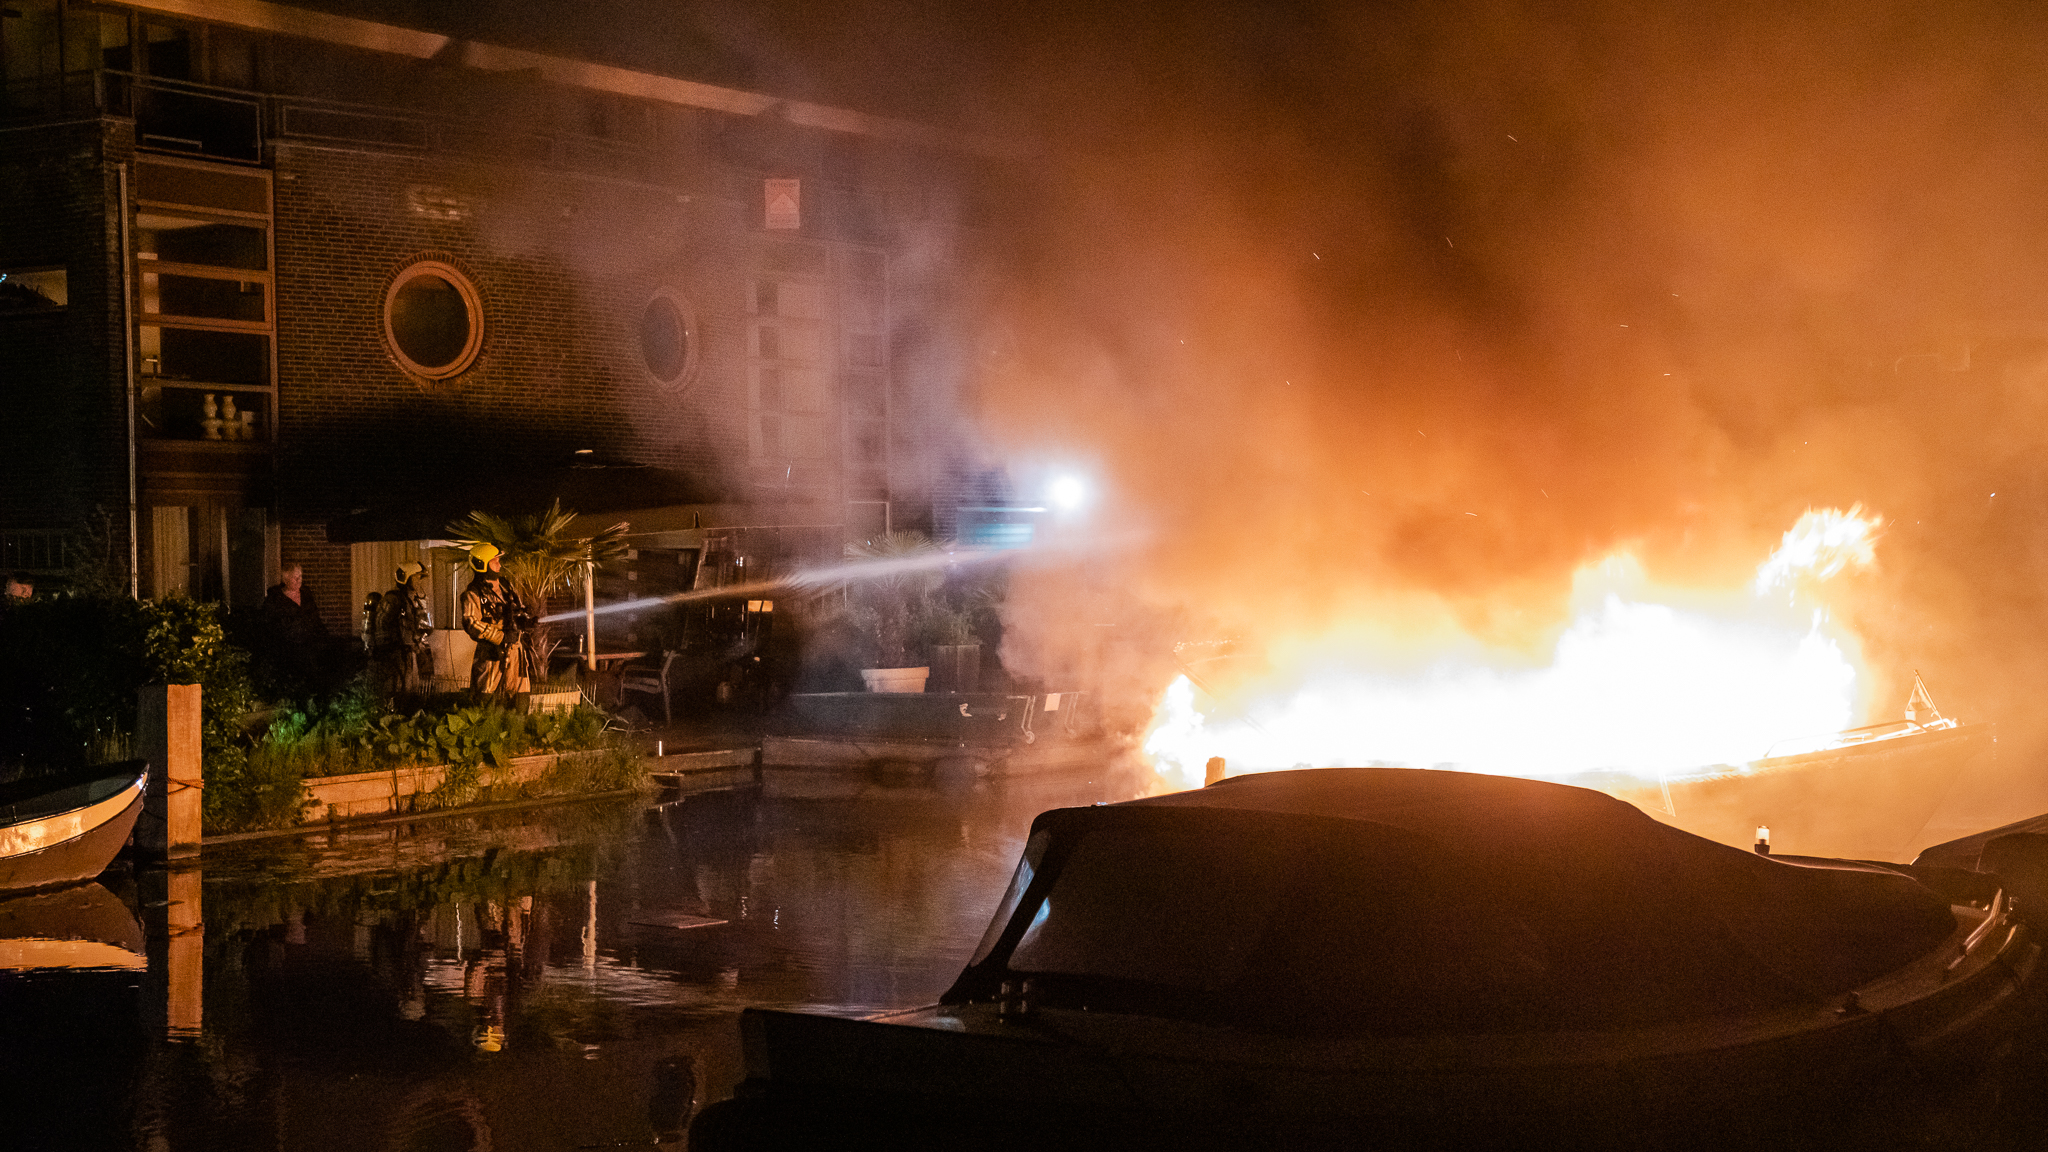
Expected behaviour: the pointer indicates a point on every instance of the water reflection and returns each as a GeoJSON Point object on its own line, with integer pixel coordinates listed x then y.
{"type": "Point", "coordinates": [565, 977]}
{"type": "Point", "coordinates": [84, 927]}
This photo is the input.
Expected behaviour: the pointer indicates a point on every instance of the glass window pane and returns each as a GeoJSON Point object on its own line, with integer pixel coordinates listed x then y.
{"type": "Point", "coordinates": [863, 310]}
{"type": "Point", "coordinates": [36, 290]}
{"type": "Point", "coordinates": [865, 397]}
{"type": "Point", "coordinates": [866, 443]}
{"type": "Point", "coordinates": [184, 240]}
{"type": "Point", "coordinates": [182, 413]}
{"type": "Point", "coordinates": [430, 321]}
{"type": "Point", "coordinates": [802, 301]}
{"type": "Point", "coordinates": [1034, 851]}
{"type": "Point", "coordinates": [804, 342]}
{"type": "Point", "coordinates": [803, 390]}
{"type": "Point", "coordinates": [172, 295]}
{"type": "Point", "coordinates": [664, 339]}
{"type": "Point", "coordinates": [805, 438]}
{"type": "Point", "coordinates": [114, 51]}
{"type": "Point", "coordinates": [169, 51]}
{"type": "Point", "coordinates": [206, 357]}
{"type": "Point", "coordinates": [1168, 910]}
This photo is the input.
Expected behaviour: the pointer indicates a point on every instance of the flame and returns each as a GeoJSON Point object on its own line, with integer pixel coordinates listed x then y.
{"type": "Point", "coordinates": [1645, 681]}
{"type": "Point", "coordinates": [1820, 545]}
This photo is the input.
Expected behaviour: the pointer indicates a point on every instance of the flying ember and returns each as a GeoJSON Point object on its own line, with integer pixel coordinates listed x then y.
{"type": "Point", "coordinates": [1645, 681]}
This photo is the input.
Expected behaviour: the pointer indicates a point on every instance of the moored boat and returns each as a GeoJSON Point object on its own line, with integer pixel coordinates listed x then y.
{"type": "Point", "coordinates": [1865, 793]}
{"type": "Point", "coordinates": [1341, 956]}
{"type": "Point", "coordinates": [66, 829]}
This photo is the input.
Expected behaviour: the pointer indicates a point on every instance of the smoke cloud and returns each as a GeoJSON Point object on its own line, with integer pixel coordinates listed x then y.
{"type": "Point", "coordinates": [1381, 321]}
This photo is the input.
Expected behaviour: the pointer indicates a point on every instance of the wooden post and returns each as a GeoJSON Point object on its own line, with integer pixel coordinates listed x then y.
{"type": "Point", "coordinates": [167, 735]}
{"type": "Point", "coordinates": [590, 614]}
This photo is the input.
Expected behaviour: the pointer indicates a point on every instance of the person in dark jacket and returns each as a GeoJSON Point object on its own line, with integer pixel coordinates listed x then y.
{"type": "Point", "coordinates": [295, 638]}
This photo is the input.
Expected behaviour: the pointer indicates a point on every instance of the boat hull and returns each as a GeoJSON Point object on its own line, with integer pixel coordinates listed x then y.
{"type": "Point", "coordinates": [953, 1073]}
{"type": "Point", "coordinates": [1871, 801]}
{"type": "Point", "coordinates": [68, 847]}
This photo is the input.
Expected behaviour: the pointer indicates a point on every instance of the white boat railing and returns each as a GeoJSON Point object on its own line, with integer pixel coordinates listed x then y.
{"type": "Point", "coordinates": [1829, 742]}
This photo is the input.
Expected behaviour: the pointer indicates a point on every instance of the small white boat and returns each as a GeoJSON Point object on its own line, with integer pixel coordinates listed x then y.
{"type": "Point", "coordinates": [66, 829]}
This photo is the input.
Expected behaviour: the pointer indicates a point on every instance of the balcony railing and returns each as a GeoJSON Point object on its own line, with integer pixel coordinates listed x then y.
{"type": "Point", "coordinates": [198, 119]}
{"type": "Point", "coordinates": [170, 115]}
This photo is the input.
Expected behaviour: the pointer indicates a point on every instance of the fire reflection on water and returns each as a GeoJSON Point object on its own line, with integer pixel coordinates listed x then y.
{"type": "Point", "coordinates": [1646, 681]}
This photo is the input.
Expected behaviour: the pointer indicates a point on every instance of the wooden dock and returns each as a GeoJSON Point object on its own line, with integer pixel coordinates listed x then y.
{"type": "Point", "coordinates": [718, 771]}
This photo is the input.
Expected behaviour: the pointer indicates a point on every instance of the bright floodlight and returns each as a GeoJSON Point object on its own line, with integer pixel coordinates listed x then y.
{"type": "Point", "coordinates": [1068, 492]}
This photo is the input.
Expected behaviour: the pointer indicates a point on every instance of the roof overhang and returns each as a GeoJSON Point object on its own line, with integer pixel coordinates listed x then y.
{"type": "Point", "coordinates": [261, 16]}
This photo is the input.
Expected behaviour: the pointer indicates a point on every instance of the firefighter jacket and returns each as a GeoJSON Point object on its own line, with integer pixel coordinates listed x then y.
{"type": "Point", "coordinates": [490, 614]}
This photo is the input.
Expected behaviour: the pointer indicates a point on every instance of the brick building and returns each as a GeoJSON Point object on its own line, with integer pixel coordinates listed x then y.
{"type": "Point", "coordinates": [268, 268]}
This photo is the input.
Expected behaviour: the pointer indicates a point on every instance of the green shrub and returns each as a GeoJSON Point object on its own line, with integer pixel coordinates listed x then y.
{"type": "Point", "coordinates": [345, 735]}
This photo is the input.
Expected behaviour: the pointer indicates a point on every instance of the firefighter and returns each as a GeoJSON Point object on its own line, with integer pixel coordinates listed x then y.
{"type": "Point", "coordinates": [398, 627]}
{"type": "Point", "coordinates": [495, 619]}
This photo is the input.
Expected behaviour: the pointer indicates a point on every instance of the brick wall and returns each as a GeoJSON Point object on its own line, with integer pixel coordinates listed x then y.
{"type": "Point", "coordinates": [63, 444]}
{"type": "Point", "coordinates": [565, 250]}
{"type": "Point", "coordinates": [563, 267]}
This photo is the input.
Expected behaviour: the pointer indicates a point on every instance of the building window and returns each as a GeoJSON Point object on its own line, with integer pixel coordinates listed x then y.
{"type": "Point", "coordinates": [668, 340]}
{"type": "Point", "coordinates": [433, 320]}
{"type": "Point", "coordinates": [33, 290]}
{"type": "Point", "coordinates": [791, 397]}
{"type": "Point", "coordinates": [205, 303]}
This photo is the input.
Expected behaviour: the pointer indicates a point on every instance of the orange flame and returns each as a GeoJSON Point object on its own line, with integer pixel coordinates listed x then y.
{"type": "Point", "coordinates": [1645, 682]}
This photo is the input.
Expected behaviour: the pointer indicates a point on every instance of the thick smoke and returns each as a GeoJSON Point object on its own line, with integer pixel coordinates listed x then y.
{"type": "Point", "coordinates": [1386, 320]}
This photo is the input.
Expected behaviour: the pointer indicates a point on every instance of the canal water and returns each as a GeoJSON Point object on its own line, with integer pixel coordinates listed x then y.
{"type": "Point", "coordinates": [567, 977]}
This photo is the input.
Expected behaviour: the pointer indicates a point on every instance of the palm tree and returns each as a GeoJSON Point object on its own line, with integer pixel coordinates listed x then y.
{"type": "Point", "coordinates": [895, 601]}
{"type": "Point", "coordinates": [539, 558]}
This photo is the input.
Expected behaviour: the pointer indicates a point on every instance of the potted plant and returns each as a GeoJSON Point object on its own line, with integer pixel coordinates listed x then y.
{"type": "Point", "coordinates": [893, 605]}
{"type": "Point", "coordinates": [955, 650]}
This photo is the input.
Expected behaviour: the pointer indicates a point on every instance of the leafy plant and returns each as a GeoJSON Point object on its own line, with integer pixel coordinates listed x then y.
{"type": "Point", "coordinates": [335, 741]}
{"type": "Point", "coordinates": [540, 557]}
{"type": "Point", "coordinates": [895, 599]}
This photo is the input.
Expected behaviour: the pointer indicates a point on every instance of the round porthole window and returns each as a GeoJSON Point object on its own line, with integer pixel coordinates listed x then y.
{"type": "Point", "coordinates": [433, 320]}
{"type": "Point", "coordinates": [668, 339]}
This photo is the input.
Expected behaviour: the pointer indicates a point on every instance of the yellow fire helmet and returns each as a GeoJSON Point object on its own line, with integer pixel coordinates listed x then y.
{"type": "Point", "coordinates": [408, 571]}
{"type": "Point", "coordinates": [480, 557]}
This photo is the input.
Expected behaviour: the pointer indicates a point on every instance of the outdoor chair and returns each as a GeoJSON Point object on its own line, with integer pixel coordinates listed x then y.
{"type": "Point", "coordinates": [645, 678]}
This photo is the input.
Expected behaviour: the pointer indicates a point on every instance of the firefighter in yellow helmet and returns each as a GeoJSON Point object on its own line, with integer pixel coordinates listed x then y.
{"type": "Point", "coordinates": [396, 628]}
{"type": "Point", "coordinates": [494, 617]}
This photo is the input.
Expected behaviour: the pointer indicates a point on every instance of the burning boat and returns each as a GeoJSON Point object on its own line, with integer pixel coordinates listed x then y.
{"type": "Point", "coordinates": [1342, 956]}
{"type": "Point", "coordinates": [1866, 792]}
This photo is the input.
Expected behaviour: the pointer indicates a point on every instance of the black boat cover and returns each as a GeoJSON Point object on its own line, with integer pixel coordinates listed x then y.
{"type": "Point", "coordinates": [1405, 901]}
